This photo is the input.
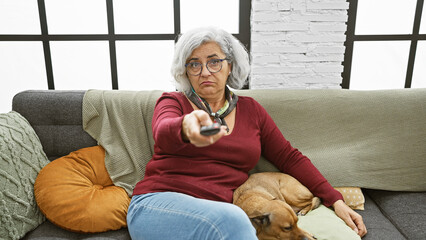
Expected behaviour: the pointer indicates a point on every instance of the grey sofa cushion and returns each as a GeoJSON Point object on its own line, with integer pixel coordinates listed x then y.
{"type": "Point", "coordinates": [406, 210]}
{"type": "Point", "coordinates": [49, 231]}
{"type": "Point", "coordinates": [56, 117]}
{"type": "Point", "coordinates": [378, 226]}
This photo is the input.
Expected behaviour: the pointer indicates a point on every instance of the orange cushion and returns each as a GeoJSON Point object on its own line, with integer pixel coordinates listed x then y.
{"type": "Point", "coordinates": [76, 193]}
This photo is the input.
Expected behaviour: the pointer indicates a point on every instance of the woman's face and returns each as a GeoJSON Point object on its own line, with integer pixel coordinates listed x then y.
{"type": "Point", "coordinates": [209, 84]}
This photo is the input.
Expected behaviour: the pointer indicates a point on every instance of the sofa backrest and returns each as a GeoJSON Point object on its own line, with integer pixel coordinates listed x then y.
{"type": "Point", "coordinates": [56, 117]}
{"type": "Point", "coordinates": [371, 139]}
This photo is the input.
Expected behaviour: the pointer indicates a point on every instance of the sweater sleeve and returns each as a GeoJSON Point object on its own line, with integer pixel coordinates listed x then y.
{"type": "Point", "coordinates": [167, 123]}
{"type": "Point", "coordinates": [290, 160]}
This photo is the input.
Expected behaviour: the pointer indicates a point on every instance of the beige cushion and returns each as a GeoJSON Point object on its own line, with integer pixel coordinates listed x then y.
{"type": "Point", "coordinates": [353, 197]}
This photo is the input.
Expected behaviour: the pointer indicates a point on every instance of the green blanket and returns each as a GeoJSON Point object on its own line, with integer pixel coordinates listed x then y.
{"type": "Point", "coordinates": [121, 123]}
{"type": "Point", "coordinates": [370, 139]}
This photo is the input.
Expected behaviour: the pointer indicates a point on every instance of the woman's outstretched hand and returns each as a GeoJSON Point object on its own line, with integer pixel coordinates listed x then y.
{"type": "Point", "coordinates": [351, 218]}
{"type": "Point", "coordinates": [191, 125]}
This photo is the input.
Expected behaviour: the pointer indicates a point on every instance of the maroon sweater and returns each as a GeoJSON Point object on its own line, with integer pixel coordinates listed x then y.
{"type": "Point", "coordinates": [215, 171]}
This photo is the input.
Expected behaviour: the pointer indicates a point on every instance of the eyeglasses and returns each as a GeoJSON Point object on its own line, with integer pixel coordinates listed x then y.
{"type": "Point", "coordinates": [213, 65]}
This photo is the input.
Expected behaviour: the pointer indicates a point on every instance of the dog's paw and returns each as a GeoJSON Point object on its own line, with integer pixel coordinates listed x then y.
{"type": "Point", "coordinates": [303, 212]}
{"type": "Point", "coordinates": [313, 205]}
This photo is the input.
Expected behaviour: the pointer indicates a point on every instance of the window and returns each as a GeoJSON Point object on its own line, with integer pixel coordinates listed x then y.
{"type": "Point", "coordinates": [102, 44]}
{"type": "Point", "coordinates": [385, 45]}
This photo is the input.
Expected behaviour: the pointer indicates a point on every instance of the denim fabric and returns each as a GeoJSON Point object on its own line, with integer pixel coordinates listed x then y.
{"type": "Point", "coordinates": [169, 215]}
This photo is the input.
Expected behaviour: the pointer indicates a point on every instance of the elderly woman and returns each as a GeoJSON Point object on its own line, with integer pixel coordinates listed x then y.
{"type": "Point", "coordinates": [188, 185]}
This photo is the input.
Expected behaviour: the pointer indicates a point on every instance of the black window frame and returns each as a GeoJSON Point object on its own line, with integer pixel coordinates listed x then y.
{"type": "Point", "coordinates": [244, 36]}
{"type": "Point", "coordinates": [351, 37]}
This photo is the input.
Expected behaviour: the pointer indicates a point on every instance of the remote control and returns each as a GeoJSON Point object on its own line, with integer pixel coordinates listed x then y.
{"type": "Point", "coordinates": [210, 130]}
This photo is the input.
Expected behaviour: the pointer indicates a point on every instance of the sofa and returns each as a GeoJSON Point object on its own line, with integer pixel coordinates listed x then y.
{"type": "Point", "coordinates": [375, 140]}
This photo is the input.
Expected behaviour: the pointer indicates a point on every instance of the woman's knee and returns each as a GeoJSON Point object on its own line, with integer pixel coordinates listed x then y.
{"type": "Point", "coordinates": [235, 214]}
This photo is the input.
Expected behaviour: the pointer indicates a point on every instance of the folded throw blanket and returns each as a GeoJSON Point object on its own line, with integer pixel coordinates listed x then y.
{"type": "Point", "coordinates": [121, 123]}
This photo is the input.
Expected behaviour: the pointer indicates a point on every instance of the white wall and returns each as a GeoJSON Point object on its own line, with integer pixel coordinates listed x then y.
{"type": "Point", "coordinates": [297, 43]}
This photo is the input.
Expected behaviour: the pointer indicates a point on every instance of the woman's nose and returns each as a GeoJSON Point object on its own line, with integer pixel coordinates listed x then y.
{"type": "Point", "coordinates": [205, 72]}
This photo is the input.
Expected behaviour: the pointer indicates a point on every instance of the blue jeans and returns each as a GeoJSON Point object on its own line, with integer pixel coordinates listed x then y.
{"type": "Point", "coordinates": [170, 215]}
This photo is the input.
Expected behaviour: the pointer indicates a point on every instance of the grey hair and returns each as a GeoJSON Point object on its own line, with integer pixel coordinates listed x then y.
{"type": "Point", "coordinates": [231, 47]}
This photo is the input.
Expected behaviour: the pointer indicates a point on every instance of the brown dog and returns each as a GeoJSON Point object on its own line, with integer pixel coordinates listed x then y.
{"type": "Point", "coordinates": [271, 200]}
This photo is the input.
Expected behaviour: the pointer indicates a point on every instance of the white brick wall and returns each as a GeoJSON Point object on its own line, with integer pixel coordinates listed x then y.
{"type": "Point", "coordinates": [297, 43]}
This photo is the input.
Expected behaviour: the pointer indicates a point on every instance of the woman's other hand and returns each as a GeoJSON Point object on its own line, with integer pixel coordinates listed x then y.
{"type": "Point", "coordinates": [191, 125]}
{"type": "Point", "coordinates": [351, 218]}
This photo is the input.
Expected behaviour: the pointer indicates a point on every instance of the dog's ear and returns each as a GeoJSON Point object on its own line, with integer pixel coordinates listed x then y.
{"type": "Point", "coordinates": [262, 220]}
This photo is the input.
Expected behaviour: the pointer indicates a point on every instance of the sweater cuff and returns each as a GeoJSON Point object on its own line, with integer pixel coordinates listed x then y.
{"type": "Point", "coordinates": [333, 197]}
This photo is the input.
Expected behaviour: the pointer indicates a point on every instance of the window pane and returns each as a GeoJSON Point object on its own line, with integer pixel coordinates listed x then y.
{"type": "Point", "coordinates": [14, 58]}
{"type": "Point", "coordinates": [385, 17]}
{"type": "Point", "coordinates": [76, 17]}
{"type": "Point", "coordinates": [19, 17]}
{"type": "Point", "coordinates": [379, 65]}
{"type": "Point", "coordinates": [81, 65]}
{"type": "Point", "coordinates": [143, 17]}
{"type": "Point", "coordinates": [219, 13]}
{"type": "Point", "coordinates": [423, 21]}
{"type": "Point", "coordinates": [419, 73]}
{"type": "Point", "coordinates": [141, 68]}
